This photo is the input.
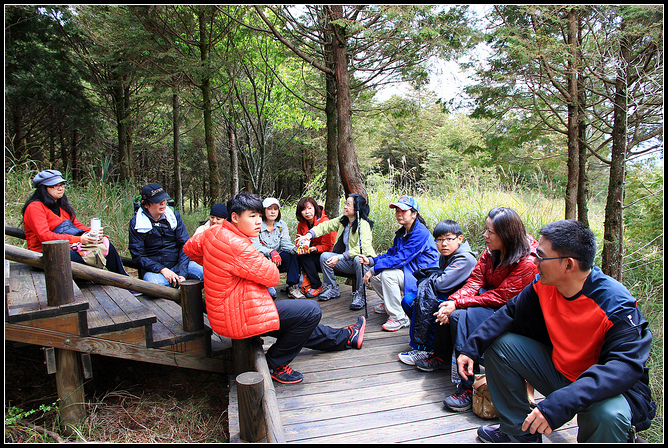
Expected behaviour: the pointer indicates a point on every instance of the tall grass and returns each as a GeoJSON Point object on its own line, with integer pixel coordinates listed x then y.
{"type": "Point", "coordinates": [466, 200]}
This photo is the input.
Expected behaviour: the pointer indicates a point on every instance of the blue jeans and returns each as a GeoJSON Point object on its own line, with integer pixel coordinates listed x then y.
{"type": "Point", "coordinates": [195, 272]}
{"type": "Point", "coordinates": [513, 360]}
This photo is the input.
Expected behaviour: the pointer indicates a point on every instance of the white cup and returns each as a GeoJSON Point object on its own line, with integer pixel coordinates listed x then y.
{"type": "Point", "coordinates": [95, 225]}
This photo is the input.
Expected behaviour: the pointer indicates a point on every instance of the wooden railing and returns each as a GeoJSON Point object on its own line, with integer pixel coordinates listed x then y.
{"type": "Point", "coordinates": [259, 418]}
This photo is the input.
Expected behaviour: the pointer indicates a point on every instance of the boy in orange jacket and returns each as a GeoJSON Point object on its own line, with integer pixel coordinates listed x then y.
{"type": "Point", "coordinates": [236, 278]}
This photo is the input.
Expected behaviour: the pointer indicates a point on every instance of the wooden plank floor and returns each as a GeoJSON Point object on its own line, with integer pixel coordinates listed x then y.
{"type": "Point", "coordinates": [368, 395]}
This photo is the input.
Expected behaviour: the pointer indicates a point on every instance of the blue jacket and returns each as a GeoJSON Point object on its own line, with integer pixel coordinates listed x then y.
{"type": "Point", "coordinates": [617, 328]}
{"type": "Point", "coordinates": [410, 251]}
{"type": "Point", "coordinates": [161, 247]}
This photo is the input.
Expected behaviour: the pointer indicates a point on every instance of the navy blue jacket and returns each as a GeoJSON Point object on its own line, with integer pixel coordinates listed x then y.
{"type": "Point", "coordinates": [621, 362]}
{"type": "Point", "coordinates": [161, 247]}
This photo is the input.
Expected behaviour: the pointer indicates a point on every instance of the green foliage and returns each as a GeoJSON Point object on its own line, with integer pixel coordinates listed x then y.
{"type": "Point", "coordinates": [14, 414]}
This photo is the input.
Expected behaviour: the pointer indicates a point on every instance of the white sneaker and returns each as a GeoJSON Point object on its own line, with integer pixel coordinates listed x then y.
{"type": "Point", "coordinates": [380, 309]}
{"type": "Point", "coordinates": [295, 293]}
{"type": "Point", "coordinates": [394, 325]}
{"type": "Point", "coordinates": [411, 357]}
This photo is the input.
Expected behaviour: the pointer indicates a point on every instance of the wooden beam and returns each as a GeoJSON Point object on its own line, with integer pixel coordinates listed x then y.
{"type": "Point", "coordinates": [98, 346]}
{"type": "Point", "coordinates": [275, 433]}
{"type": "Point", "coordinates": [86, 272]}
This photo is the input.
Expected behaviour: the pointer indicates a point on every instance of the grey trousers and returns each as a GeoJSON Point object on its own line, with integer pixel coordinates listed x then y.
{"type": "Point", "coordinates": [513, 360]}
{"type": "Point", "coordinates": [352, 266]}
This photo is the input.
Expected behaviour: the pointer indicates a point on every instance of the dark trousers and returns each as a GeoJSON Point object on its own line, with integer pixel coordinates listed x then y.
{"type": "Point", "coordinates": [300, 328]}
{"type": "Point", "coordinates": [453, 335]}
{"type": "Point", "coordinates": [114, 263]}
{"type": "Point", "coordinates": [289, 264]}
{"type": "Point", "coordinates": [407, 303]}
{"type": "Point", "coordinates": [310, 264]}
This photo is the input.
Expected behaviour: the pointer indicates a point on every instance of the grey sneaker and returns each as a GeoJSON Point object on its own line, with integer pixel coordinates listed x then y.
{"type": "Point", "coordinates": [394, 325]}
{"type": "Point", "coordinates": [358, 301]}
{"type": "Point", "coordinates": [294, 292]}
{"type": "Point", "coordinates": [330, 292]}
{"type": "Point", "coordinates": [413, 356]}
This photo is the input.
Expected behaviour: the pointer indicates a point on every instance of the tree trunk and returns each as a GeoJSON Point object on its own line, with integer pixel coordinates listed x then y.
{"type": "Point", "coordinates": [332, 182]}
{"type": "Point", "coordinates": [351, 176]}
{"type": "Point", "coordinates": [573, 134]}
{"type": "Point", "coordinates": [613, 229]}
{"type": "Point", "coordinates": [234, 159]}
{"type": "Point", "coordinates": [178, 184]}
{"type": "Point", "coordinates": [74, 167]}
{"type": "Point", "coordinates": [583, 179]}
{"type": "Point", "coordinates": [214, 176]}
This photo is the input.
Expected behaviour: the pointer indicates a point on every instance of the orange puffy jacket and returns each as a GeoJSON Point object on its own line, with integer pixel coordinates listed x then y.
{"type": "Point", "coordinates": [236, 277]}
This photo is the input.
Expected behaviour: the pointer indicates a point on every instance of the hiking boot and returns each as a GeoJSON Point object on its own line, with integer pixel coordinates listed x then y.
{"type": "Point", "coordinates": [394, 325]}
{"type": "Point", "coordinates": [413, 356]}
{"type": "Point", "coordinates": [380, 309]}
{"type": "Point", "coordinates": [357, 333]}
{"type": "Point", "coordinates": [492, 434]}
{"type": "Point", "coordinates": [330, 292]}
{"type": "Point", "coordinates": [461, 400]}
{"type": "Point", "coordinates": [311, 293]}
{"type": "Point", "coordinates": [294, 292]}
{"type": "Point", "coordinates": [432, 363]}
{"type": "Point", "coordinates": [286, 375]}
{"type": "Point", "coordinates": [358, 301]}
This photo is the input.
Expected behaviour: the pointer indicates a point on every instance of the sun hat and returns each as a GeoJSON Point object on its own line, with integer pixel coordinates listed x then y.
{"type": "Point", "coordinates": [268, 202]}
{"type": "Point", "coordinates": [406, 202]}
{"type": "Point", "coordinates": [48, 178]}
{"type": "Point", "coordinates": [219, 210]}
{"type": "Point", "coordinates": [154, 193]}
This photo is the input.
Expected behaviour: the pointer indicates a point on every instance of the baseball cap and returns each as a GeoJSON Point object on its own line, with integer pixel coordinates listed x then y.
{"type": "Point", "coordinates": [268, 202]}
{"type": "Point", "coordinates": [48, 178]}
{"type": "Point", "coordinates": [154, 193]}
{"type": "Point", "coordinates": [406, 202]}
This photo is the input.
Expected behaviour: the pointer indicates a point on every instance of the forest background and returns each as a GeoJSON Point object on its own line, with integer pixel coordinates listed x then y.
{"type": "Point", "coordinates": [561, 116]}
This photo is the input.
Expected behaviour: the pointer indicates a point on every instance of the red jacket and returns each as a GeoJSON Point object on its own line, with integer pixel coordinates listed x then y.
{"type": "Point", "coordinates": [236, 277]}
{"type": "Point", "coordinates": [324, 243]}
{"type": "Point", "coordinates": [502, 283]}
{"type": "Point", "coordinates": [39, 221]}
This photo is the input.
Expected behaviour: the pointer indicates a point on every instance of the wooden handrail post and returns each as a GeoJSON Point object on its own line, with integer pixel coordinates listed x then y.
{"type": "Point", "coordinates": [60, 291]}
{"type": "Point", "coordinates": [58, 272]}
{"type": "Point", "coordinates": [241, 353]}
{"type": "Point", "coordinates": [191, 305]}
{"type": "Point", "coordinates": [250, 393]}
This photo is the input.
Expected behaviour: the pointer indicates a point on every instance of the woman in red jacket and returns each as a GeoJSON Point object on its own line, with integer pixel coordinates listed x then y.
{"type": "Point", "coordinates": [505, 267]}
{"type": "Point", "coordinates": [48, 216]}
{"type": "Point", "coordinates": [310, 214]}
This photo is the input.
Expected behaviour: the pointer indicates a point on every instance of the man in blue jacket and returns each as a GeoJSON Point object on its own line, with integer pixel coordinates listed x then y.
{"type": "Point", "coordinates": [578, 337]}
{"type": "Point", "coordinates": [156, 238]}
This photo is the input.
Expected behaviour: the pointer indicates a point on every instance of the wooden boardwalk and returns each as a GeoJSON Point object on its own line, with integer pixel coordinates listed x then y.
{"type": "Point", "coordinates": [109, 321]}
{"type": "Point", "coordinates": [368, 395]}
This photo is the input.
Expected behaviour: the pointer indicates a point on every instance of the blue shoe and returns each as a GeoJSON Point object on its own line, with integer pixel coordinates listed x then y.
{"type": "Point", "coordinates": [492, 434]}
{"type": "Point", "coordinates": [286, 375]}
{"type": "Point", "coordinates": [272, 292]}
{"type": "Point", "coordinates": [461, 400]}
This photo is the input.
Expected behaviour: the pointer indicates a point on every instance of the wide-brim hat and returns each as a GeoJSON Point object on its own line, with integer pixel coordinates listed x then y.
{"type": "Point", "coordinates": [48, 178]}
{"type": "Point", "coordinates": [154, 193]}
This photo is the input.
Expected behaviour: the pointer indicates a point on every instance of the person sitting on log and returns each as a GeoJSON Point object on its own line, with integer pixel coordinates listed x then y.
{"type": "Point", "coordinates": [239, 306]}
{"type": "Point", "coordinates": [156, 238]}
{"type": "Point", "coordinates": [48, 216]}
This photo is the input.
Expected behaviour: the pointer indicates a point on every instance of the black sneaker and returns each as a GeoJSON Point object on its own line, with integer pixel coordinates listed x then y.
{"type": "Point", "coordinates": [286, 375]}
{"type": "Point", "coordinates": [461, 400]}
{"type": "Point", "coordinates": [492, 434]}
{"type": "Point", "coordinates": [432, 363]}
{"type": "Point", "coordinates": [357, 333]}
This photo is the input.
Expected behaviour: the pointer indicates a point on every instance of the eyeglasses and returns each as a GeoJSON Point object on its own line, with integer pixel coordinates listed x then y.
{"type": "Point", "coordinates": [443, 240]}
{"type": "Point", "coordinates": [58, 187]}
{"type": "Point", "coordinates": [541, 259]}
